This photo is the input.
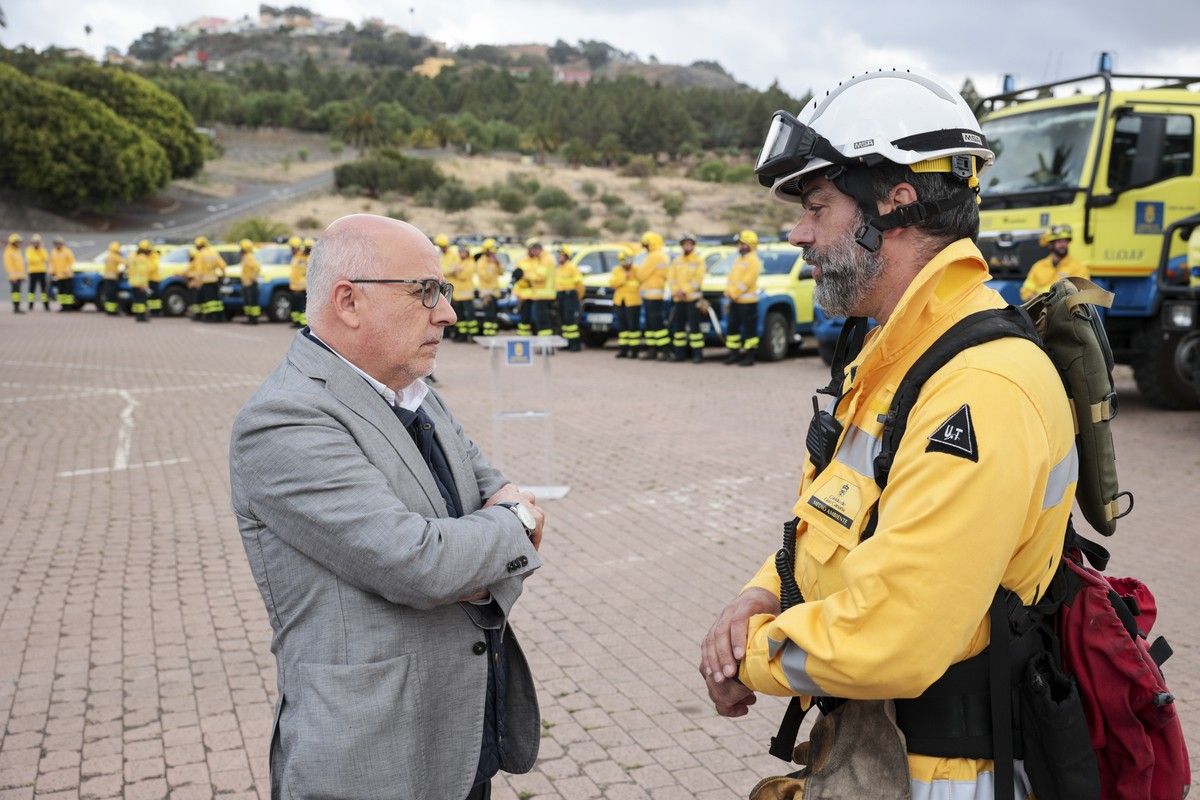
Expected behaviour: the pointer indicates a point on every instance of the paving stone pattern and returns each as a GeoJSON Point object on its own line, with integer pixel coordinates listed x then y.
{"type": "Point", "coordinates": [134, 649]}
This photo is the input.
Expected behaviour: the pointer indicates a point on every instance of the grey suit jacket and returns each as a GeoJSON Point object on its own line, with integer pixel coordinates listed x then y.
{"type": "Point", "coordinates": [381, 690]}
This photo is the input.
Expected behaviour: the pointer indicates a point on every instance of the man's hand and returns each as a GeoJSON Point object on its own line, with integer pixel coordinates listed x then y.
{"type": "Point", "coordinates": [511, 493]}
{"type": "Point", "coordinates": [478, 597]}
{"type": "Point", "coordinates": [725, 643]}
{"type": "Point", "coordinates": [730, 698]}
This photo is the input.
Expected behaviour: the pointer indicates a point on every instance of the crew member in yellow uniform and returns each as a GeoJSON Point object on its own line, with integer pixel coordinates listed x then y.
{"type": "Point", "coordinates": [1054, 267]}
{"type": "Point", "coordinates": [251, 269]}
{"type": "Point", "coordinates": [141, 264]}
{"type": "Point", "coordinates": [449, 263]}
{"type": "Point", "coordinates": [211, 269]}
{"type": "Point", "coordinates": [14, 268]}
{"type": "Point", "coordinates": [37, 259]}
{"type": "Point", "coordinates": [652, 278]}
{"type": "Point", "coordinates": [537, 269]}
{"type": "Point", "coordinates": [154, 299]}
{"type": "Point", "coordinates": [488, 270]}
{"type": "Point", "coordinates": [62, 272]}
{"type": "Point", "coordinates": [627, 305]}
{"type": "Point", "coordinates": [568, 284]}
{"type": "Point", "coordinates": [191, 277]}
{"type": "Point", "coordinates": [114, 262]}
{"type": "Point", "coordinates": [686, 277]}
{"type": "Point", "coordinates": [982, 483]}
{"type": "Point", "coordinates": [298, 282]}
{"type": "Point", "coordinates": [742, 290]}
{"type": "Point", "coordinates": [461, 275]}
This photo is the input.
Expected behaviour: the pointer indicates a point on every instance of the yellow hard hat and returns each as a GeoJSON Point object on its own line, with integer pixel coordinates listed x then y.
{"type": "Point", "coordinates": [246, 245]}
{"type": "Point", "coordinates": [201, 241]}
{"type": "Point", "coordinates": [295, 243]}
{"type": "Point", "coordinates": [441, 240]}
{"type": "Point", "coordinates": [14, 238]}
{"type": "Point", "coordinates": [489, 245]}
{"type": "Point", "coordinates": [1056, 233]}
{"type": "Point", "coordinates": [625, 255]}
{"type": "Point", "coordinates": [144, 244]}
{"type": "Point", "coordinates": [652, 240]}
{"type": "Point", "coordinates": [114, 246]}
{"type": "Point", "coordinates": [563, 249]}
{"type": "Point", "coordinates": [309, 243]}
{"type": "Point", "coordinates": [748, 237]}
{"type": "Point", "coordinates": [532, 242]}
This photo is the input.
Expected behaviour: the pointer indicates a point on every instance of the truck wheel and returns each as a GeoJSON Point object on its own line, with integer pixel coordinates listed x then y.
{"type": "Point", "coordinates": [776, 337]}
{"type": "Point", "coordinates": [280, 307]}
{"type": "Point", "coordinates": [594, 338]}
{"type": "Point", "coordinates": [1167, 367]}
{"type": "Point", "coordinates": [174, 302]}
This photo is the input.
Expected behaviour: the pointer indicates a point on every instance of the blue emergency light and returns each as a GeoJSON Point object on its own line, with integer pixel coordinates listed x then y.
{"type": "Point", "coordinates": [1010, 83]}
{"type": "Point", "coordinates": [1106, 62]}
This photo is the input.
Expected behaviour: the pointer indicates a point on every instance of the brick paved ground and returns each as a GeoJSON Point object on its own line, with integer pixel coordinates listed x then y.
{"type": "Point", "coordinates": [133, 645]}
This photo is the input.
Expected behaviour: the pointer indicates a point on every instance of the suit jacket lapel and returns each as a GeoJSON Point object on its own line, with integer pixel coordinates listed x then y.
{"type": "Point", "coordinates": [456, 456]}
{"type": "Point", "coordinates": [356, 394]}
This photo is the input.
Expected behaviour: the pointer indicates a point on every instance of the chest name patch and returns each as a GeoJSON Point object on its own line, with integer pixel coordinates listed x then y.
{"type": "Point", "coordinates": [956, 436]}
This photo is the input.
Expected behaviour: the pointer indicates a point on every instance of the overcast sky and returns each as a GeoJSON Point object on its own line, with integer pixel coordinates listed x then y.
{"type": "Point", "coordinates": [802, 43]}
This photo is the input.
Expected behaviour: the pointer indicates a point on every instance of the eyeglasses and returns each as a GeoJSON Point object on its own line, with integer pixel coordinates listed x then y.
{"type": "Point", "coordinates": [430, 288]}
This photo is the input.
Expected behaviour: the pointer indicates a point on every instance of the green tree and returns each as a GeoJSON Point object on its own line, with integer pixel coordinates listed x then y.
{"type": "Point", "coordinates": [672, 206]}
{"type": "Point", "coordinates": [576, 152]}
{"type": "Point", "coordinates": [72, 151]}
{"type": "Point", "coordinates": [150, 109]}
{"type": "Point", "coordinates": [153, 45]}
{"type": "Point", "coordinates": [257, 229]}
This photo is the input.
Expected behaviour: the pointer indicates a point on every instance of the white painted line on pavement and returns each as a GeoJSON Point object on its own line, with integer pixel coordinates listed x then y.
{"type": "Point", "coordinates": [166, 462]}
{"type": "Point", "coordinates": [124, 433]}
{"type": "Point", "coordinates": [118, 368]}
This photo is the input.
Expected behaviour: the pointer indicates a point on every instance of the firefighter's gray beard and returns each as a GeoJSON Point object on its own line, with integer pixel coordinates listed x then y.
{"type": "Point", "coordinates": [848, 274]}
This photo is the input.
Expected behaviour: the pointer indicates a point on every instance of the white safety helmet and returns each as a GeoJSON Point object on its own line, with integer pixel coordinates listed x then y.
{"type": "Point", "coordinates": [896, 116]}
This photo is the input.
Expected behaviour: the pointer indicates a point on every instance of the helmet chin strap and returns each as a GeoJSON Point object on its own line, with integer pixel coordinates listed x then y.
{"type": "Point", "coordinates": [856, 182]}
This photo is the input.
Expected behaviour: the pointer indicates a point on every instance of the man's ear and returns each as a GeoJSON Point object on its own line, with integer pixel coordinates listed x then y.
{"type": "Point", "coordinates": [901, 194]}
{"type": "Point", "coordinates": [344, 303]}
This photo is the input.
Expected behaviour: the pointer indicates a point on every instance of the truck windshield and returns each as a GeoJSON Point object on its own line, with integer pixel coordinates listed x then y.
{"type": "Point", "coordinates": [1042, 151]}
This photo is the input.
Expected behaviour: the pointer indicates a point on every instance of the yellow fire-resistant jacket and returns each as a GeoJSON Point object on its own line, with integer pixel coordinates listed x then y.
{"type": "Point", "coordinates": [1044, 274]}
{"type": "Point", "coordinates": [978, 497]}
{"type": "Point", "coordinates": [652, 274]}
{"type": "Point", "coordinates": [567, 278]}
{"type": "Point", "coordinates": [461, 276]}
{"type": "Point", "coordinates": [113, 262]}
{"type": "Point", "coordinates": [250, 269]}
{"type": "Point", "coordinates": [140, 266]}
{"type": "Point", "coordinates": [14, 263]}
{"type": "Point", "coordinates": [539, 273]}
{"type": "Point", "coordinates": [62, 263]}
{"type": "Point", "coordinates": [36, 258]}
{"type": "Point", "coordinates": [488, 270]}
{"type": "Point", "coordinates": [686, 276]}
{"type": "Point", "coordinates": [742, 286]}
{"type": "Point", "coordinates": [449, 261]}
{"type": "Point", "coordinates": [625, 284]}
{"type": "Point", "coordinates": [210, 265]}
{"type": "Point", "coordinates": [298, 277]}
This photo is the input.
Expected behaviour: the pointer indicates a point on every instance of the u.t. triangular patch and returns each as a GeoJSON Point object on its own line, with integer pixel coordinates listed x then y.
{"type": "Point", "coordinates": [956, 436]}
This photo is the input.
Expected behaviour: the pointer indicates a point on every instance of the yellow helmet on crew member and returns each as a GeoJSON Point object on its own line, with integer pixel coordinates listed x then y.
{"type": "Point", "coordinates": [489, 245]}
{"type": "Point", "coordinates": [1055, 233]}
{"type": "Point", "coordinates": [652, 240]}
{"type": "Point", "coordinates": [35, 239]}
{"type": "Point", "coordinates": [114, 246]}
{"type": "Point", "coordinates": [309, 244]}
{"type": "Point", "coordinates": [201, 241]}
{"type": "Point", "coordinates": [14, 238]}
{"type": "Point", "coordinates": [246, 245]}
{"type": "Point", "coordinates": [441, 240]}
{"type": "Point", "coordinates": [144, 245]}
{"type": "Point", "coordinates": [625, 255]}
{"type": "Point", "coordinates": [748, 238]}
{"type": "Point", "coordinates": [295, 242]}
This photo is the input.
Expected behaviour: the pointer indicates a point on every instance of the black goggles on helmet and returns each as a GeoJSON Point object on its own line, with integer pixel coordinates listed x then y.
{"type": "Point", "coordinates": [790, 146]}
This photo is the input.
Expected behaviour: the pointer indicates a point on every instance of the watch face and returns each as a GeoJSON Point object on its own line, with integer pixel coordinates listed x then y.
{"type": "Point", "coordinates": [526, 516]}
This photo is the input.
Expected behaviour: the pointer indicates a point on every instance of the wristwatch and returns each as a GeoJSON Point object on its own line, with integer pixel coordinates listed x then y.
{"type": "Point", "coordinates": [524, 515]}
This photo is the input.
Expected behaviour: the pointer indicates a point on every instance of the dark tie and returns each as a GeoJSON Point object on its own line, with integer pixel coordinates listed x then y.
{"type": "Point", "coordinates": [420, 428]}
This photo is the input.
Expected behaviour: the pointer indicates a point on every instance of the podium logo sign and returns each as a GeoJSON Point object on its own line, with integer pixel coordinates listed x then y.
{"type": "Point", "coordinates": [518, 353]}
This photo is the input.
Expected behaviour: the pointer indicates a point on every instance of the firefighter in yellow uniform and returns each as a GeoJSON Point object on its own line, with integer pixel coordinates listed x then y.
{"type": "Point", "coordinates": [62, 272]}
{"type": "Point", "coordinates": [652, 278]}
{"type": "Point", "coordinates": [742, 291]}
{"type": "Point", "coordinates": [14, 268]}
{"type": "Point", "coordinates": [1054, 267]}
{"type": "Point", "coordinates": [897, 585]}
{"type": "Point", "coordinates": [461, 275]}
{"type": "Point", "coordinates": [686, 277]}
{"type": "Point", "coordinates": [627, 305]}
{"type": "Point", "coordinates": [154, 299]}
{"type": "Point", "coordinates": [298, 282]}
{"type": "Point", "coordinates": [211, 269]}
{"type": "Point", "coordinates": [37, 259]}
{"type": "Point", "coordinates": [191, 277]}
{"type": "Point", "coordinates": [251, 269]}
{"type": "Point", "coordinates": [568, 284]}
{"type": "Point", "coordinates": [537, 269]}
{"type": "Point", "coordinates": [114, 262]}
{"type": "Point", "coordinates": [141, 264]}
{"type": "Point", "coordinates": [449, 264]}
{"type": "Point", "coordinates": [488, 270]}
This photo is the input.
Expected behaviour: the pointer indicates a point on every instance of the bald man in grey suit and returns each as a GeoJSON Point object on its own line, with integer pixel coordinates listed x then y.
{"type": "Point", "coordinates": [388, 551]}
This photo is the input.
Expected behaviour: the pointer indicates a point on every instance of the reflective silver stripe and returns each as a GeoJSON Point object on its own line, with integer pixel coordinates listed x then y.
{"type": "Point", "coordinates": [1063, 475]}
{"type": "Point", "coordinates": [795, 663]}
{"type": "Point", "coordinates": [858, 451]}
{"type": "Point", "coordinates": [982, 788]}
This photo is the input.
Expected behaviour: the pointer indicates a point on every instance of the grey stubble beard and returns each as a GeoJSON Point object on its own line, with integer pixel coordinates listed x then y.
{"type": "Point", "coordinates": [849, 272]}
